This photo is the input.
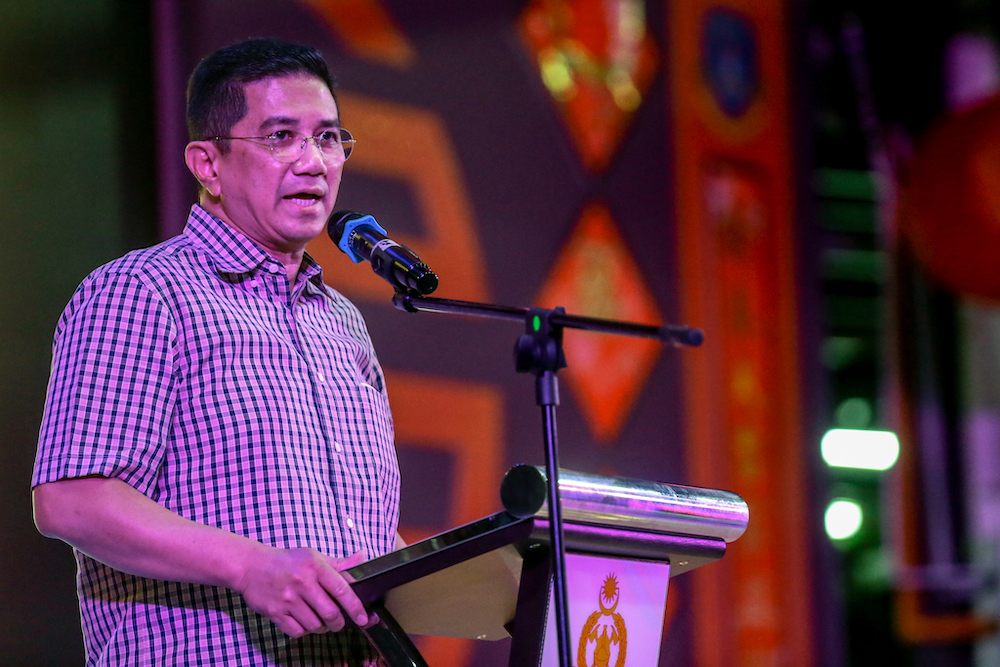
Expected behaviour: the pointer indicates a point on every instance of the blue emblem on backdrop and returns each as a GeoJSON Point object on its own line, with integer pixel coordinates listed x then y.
{"type": "Point", "coordinates": [730, 60]}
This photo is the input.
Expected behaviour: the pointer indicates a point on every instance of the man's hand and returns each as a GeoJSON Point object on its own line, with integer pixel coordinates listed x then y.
{"type": "Point", "coordinates": [302, 590]}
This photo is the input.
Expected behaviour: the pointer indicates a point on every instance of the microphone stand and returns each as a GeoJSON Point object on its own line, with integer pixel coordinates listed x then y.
{"type": "Point", "coordinates": [540, 352]}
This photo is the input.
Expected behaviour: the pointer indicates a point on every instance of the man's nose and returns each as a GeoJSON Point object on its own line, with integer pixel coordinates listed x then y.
{"type": "Point", "coordinates": [311, 160]}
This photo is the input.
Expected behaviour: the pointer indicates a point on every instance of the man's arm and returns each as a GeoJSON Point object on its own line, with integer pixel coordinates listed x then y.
{"type": "Point", "coordinates": [301, 590]}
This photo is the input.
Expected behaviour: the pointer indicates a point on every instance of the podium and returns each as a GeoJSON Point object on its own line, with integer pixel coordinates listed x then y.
{"type": "Point", "coordinates": [491, 578]}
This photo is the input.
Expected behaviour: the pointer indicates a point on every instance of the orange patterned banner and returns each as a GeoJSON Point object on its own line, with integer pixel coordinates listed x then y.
{"type": "Point", "coordinates": [598, 61]}
{"type": "Point", "coordinates": [595, 275]}
{"type": "Point", "coordinates": [367, 29]}
{"type": "Point", "coordinates": [735, 211]}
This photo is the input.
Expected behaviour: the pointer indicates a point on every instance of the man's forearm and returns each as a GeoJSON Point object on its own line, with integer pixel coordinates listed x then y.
{"type": "Point", "coordinates": [301, 590]}
{"type": "Point", "coordinates": [111, 522]}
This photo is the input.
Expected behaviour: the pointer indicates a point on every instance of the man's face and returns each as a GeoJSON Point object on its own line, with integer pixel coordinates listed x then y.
{"type": "Point", "coordinates": [281, 206]}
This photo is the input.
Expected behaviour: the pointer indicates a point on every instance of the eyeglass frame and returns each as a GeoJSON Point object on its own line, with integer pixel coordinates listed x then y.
{"type": "Point", "coordinates": [268, 141]}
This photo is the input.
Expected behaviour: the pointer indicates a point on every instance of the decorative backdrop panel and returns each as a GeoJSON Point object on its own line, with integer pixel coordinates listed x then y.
{"type": "Point", "coordinates": [521, 149]}
{"type": "Point", "coordinates": [732, 125]}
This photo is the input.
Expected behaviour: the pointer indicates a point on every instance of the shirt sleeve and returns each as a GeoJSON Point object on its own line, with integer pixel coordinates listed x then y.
{"type": "Point", "coordinates": [111, 391]}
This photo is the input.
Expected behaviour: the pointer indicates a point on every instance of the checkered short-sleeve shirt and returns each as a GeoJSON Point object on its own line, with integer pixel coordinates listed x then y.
{"type": "Point", "coordinates": [194, 372]}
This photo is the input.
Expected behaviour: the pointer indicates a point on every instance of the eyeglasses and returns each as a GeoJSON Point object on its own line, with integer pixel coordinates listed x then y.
{"type": "Point", "coordinates": [287, 146]}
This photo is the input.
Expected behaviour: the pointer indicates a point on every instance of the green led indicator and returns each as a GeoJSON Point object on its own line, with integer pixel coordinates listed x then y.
{"type": "Point", "coordinates": [537, 323]}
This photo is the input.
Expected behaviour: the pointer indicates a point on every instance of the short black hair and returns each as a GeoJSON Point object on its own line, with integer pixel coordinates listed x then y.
{"type": "Point", "coordinates": [216, 99]}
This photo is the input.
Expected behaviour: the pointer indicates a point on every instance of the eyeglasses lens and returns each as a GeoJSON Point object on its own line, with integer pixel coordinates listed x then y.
{"type": "Point", "coordinates": [333, 146]}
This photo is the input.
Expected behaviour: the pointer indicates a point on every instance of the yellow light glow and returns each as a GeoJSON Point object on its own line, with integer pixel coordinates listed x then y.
{"type": "Point", "coordinates": [623, 91]}
{"type": "Point", "coordinates": [860, 448]}
{"type": "Point", "coordinates": [842, 519]}
{"type": "Point", "coordinates": [557, 75]}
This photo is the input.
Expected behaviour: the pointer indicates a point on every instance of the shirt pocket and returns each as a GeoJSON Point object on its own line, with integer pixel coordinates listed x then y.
{"type": "Point", "coordinates": [380, 455]}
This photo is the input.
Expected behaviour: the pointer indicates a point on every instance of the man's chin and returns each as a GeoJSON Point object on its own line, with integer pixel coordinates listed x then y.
{"type": "Point", "coordinates": [306, 230]}
{"type": "Point", "coordinates": [311, 219]}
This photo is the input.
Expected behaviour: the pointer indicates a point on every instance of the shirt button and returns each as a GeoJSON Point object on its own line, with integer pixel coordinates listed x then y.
{"type": "Point", "coordinates": [321, 377]}
{"type": "Point", "coordinates": [337, 447]}
{"type": "Point", "coordinates": [350, 522]}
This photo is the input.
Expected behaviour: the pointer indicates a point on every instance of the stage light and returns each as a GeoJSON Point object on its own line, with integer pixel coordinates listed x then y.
{"type": "Point", "coordinates": [842, 519]}
{"type": "Point", "coordinates": [859, 448]}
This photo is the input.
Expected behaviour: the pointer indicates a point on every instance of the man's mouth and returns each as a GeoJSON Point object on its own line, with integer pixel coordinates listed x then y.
{"type": "Point", "coordinates": [303, 198]}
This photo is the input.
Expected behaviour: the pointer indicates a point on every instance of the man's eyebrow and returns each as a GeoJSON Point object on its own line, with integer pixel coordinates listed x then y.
{"type": "Point", "coordinates": [273, 121]}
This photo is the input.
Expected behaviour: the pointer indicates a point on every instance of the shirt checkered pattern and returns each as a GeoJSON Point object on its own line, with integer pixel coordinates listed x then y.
{"type": "Point", "coordinates": [194, 372]}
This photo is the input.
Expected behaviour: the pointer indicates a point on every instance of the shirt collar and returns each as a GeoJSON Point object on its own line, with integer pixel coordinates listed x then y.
{"type": "Point", "coordinates": [234, 253]}
{"type": "Point", "coordinates": [311, 270]}
{"type": "Point", "coordinates": [231, 251]}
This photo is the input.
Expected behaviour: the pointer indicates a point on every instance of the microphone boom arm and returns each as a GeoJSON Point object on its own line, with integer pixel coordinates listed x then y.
{"type": "Point", "coordinates": [676, 335]}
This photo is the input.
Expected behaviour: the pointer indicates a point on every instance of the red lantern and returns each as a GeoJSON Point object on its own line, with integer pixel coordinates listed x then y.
{"type": "Point", "coordinates": [950, 212]}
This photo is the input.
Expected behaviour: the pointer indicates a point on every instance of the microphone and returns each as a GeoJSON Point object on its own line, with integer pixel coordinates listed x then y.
{"type": "Point", "coordinates": [361, 238]}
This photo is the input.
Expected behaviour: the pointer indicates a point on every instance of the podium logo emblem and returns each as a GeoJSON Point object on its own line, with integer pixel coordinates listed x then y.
{"type": "Point", "coordinates": [604, 637]}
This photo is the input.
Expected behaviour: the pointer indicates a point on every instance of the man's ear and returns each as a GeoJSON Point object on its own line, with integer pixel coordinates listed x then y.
{"type": "Point", "coordinates": [202, 159]}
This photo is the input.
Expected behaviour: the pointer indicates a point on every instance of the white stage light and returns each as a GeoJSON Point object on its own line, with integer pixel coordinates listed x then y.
{"type": "Point", "coordinates": [842, 519]}
{"type": "Point", "coordinates": [860, 448]}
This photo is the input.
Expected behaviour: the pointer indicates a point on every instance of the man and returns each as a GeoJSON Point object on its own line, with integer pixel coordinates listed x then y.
{"type": "Point", "coordinates": [217, 444]}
